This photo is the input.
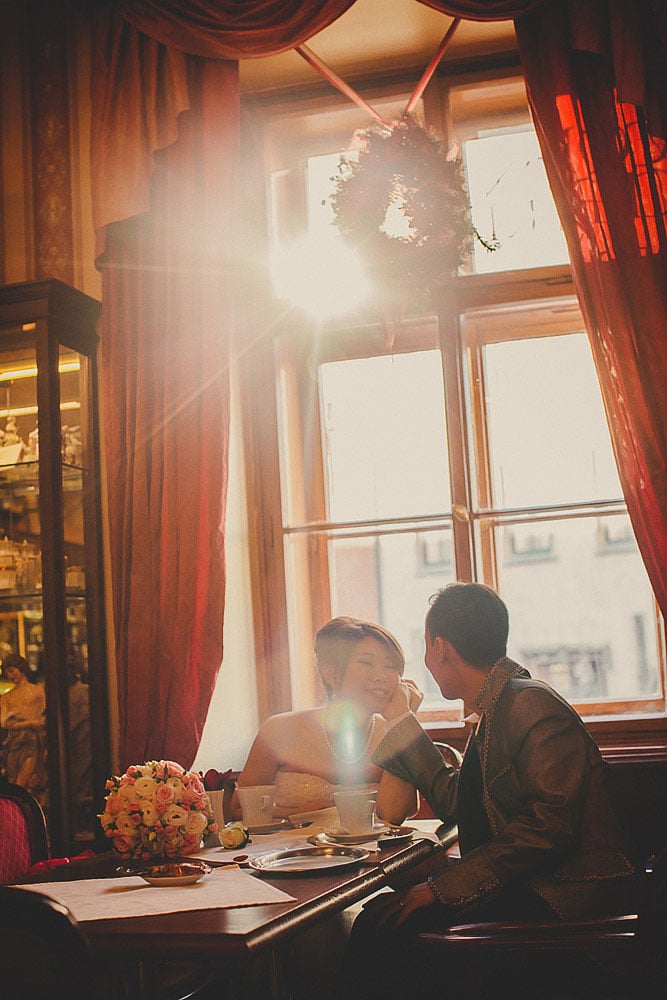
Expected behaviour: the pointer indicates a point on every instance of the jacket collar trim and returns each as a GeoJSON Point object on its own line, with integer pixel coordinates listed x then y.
{"type": "Point", "coordinates": [496, 679]}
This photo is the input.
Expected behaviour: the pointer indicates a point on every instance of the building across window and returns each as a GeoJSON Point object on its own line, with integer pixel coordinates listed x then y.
{"type": "Point", "coordinates": [580, 674]}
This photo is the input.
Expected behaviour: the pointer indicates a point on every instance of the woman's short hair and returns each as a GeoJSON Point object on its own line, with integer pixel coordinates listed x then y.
{"type": "Point", "coordinates": [335, 641]}
{"type": "Point", "coordinates": [473, 618]}
{"type": "Point", "coordinates": [14, 660]}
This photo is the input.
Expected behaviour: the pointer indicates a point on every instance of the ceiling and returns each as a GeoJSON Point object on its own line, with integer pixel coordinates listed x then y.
{"type": "Point", "coordinates": [381, 36]}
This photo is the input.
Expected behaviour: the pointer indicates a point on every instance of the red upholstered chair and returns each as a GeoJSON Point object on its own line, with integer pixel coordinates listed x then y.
{"type": "Point", "coordinates": [23, 838]}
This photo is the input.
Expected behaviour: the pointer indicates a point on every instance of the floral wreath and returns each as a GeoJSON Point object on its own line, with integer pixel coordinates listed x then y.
{"type": "Point", "coordinates": [405, 163]}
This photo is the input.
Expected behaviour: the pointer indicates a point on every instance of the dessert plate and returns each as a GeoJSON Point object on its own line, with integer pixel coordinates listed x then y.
{"type": "Point", "coordinates": [174, 873]}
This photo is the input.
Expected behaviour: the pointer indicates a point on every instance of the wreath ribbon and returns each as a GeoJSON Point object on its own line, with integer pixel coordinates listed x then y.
{"type": "Point", "coordinates": [326, 71]}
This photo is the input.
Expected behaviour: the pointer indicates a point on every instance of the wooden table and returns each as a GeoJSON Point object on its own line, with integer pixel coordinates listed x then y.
{"type": "Point", "coordinates": [235, 936]}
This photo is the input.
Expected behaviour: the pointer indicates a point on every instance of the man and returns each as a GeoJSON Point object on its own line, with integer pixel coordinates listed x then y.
{"type": "Point", "coordinates": [537, 832]}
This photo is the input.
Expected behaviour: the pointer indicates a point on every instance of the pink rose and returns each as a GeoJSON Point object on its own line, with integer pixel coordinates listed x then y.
{"type": "Point", "coordinates": [197, 785]}
{"type": "Point", "coordinates": [174, 770]}
{"type": "Point", "coordinates": [190, 844]}
{"type": "Point", "coordinates": [123, 844]}
{"type": "Point", "coordinates": [191, 795]}
{"type": "Point", "coordinates": [164, 795]}
{"type": "Point", "coordinates": [114, 805]}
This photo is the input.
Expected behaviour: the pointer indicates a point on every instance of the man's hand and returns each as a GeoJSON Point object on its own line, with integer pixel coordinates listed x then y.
{"type": "Point", "coordinates": [406, 698]}
{"type": "Point", "coordinates": [401, 905]}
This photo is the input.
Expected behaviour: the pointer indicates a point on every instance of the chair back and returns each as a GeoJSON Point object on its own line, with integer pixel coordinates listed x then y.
{"type": "Point", "coordinates": [23, 837]}
{"type": "Point", "coordinates": [639, 794]}
{"type": "Point", "coordinates": [44, 952]}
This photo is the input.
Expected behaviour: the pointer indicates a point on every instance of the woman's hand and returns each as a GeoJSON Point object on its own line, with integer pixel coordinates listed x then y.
{"type": "Point", "coordinates": [406, 698]}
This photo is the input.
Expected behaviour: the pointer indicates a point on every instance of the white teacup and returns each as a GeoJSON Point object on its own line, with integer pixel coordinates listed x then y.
{"type": "Point", "coordinates": [256, 804]}
{"type": "Point", "coordinates": [356, 809]}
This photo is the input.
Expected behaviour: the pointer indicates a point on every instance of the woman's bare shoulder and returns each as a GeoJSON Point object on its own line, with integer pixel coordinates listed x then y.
{"type": "Point", "coordinates": [289, 722]}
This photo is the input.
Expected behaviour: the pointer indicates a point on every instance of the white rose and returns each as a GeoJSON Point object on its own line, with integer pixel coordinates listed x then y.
{"type": "Point", "coordinates": [149, 814]}
{"type": "Point", "coordinates": [128, 792]}
{"type": "Point", "coordinates": [124, 824]}
{"type": "Point", "coordinates": [177, 785]}
{"type": "Point", "coordinates": [174, 816]}
{"type": "Point", "coordinates": [233, 835]}
{"type": "Point", "coordinates": [145, 787]}
{"type": "Point", "coordinates": [195, 823]}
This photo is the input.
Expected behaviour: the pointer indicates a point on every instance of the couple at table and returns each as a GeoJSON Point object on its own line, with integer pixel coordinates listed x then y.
{"type": "Point", "coordinates": [537, 833]}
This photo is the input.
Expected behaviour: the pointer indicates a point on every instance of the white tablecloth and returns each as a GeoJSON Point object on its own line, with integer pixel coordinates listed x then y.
{"type": "Point", "coordinates": [102, 898]}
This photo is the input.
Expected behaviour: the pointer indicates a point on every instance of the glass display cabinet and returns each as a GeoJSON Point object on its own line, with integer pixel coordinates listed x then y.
{"type": "Point", "coordinates": [54, 728]}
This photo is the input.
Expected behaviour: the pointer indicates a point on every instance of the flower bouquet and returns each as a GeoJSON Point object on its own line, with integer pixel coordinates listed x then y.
{"type": "Point", "coordinates": [156, 810]}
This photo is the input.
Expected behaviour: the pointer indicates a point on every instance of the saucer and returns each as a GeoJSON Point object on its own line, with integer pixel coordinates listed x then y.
{"type": "Point", "coordinates": [342, 836]}
{"type": "Point", "coordinates": [396, 835]}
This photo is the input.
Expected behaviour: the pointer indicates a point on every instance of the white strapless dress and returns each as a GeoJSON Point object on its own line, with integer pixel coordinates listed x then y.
{"type": "Point", "coordinates": [298, 792]}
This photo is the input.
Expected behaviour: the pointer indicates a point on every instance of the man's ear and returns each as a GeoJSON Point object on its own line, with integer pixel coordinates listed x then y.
{"type": "Point", "coordinates": [446, 650]}
{"type": "Point", "coordinates": [439, 647]}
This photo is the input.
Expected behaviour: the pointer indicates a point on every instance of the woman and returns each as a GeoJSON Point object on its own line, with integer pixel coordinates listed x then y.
{"type": "Point", "coordinates": [23, 754]}
{"type": "Point", "coordinates": [307, 754]}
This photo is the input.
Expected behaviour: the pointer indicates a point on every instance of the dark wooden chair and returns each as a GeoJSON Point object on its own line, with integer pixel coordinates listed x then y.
{"type": "Point", "coordinates": [23, 837]}
{"type": "Point", "coordinates": [617, 958]}
{"type": "Point", "coordinates": [44, 952]}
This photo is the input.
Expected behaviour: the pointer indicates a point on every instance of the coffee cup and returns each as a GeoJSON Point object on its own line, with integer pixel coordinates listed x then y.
{"type": "Point", "coordinates": [256, 804]}
{"type": "Point", "coordinates": [356, 809]}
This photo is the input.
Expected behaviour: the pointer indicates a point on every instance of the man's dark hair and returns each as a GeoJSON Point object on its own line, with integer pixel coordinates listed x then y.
{"type": "Point", "coordinates": [473, 618]}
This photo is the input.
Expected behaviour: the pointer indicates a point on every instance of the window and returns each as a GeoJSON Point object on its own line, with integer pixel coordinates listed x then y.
{"type": "Point", "coordinates": [477, 448]}
{"type": "Point", "coordinates": [545, 491]}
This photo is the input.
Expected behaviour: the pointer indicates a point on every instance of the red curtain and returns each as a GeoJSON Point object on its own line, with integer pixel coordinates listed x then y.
{"type": "Point", "coordinates": [597, 86]}
{"type": "Point", "coordinates": [165, 330]}
{"type": "Point", "coordinates": [232, 29]}
{"type": "Point", "coordinates": [164, 155]}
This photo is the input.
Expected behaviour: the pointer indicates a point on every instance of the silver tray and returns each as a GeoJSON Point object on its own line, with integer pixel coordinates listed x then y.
{"type": "Point", "coordinates": [303, 860]}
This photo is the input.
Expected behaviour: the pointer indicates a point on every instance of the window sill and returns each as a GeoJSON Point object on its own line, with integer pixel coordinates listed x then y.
{"type": "Point", "coordinates": [639, 739]}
